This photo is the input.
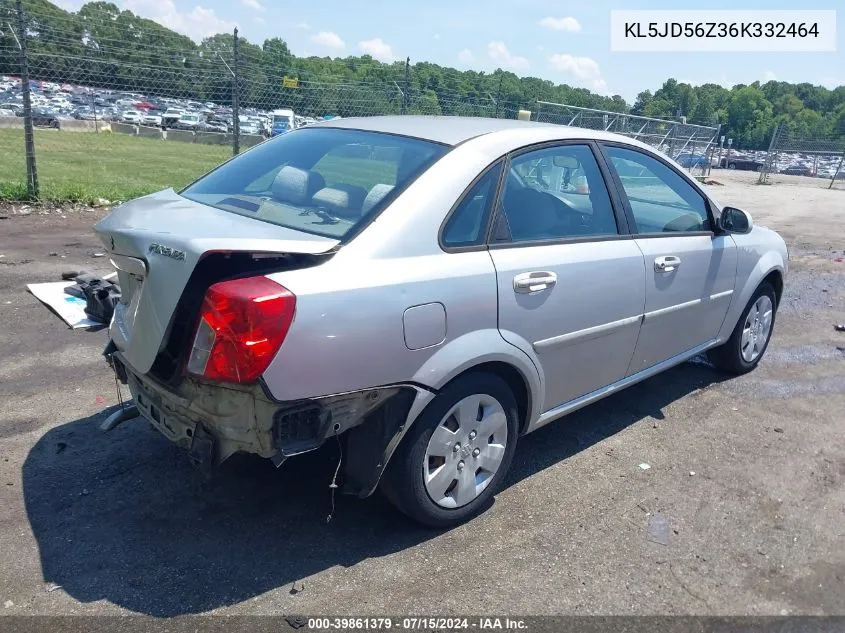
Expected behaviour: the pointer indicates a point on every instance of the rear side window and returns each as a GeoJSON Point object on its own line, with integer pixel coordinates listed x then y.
{"type": "Point", "coordinates": [325, 181]}
{"type": "Point", "coordinates": [556, 193]}
{"type": "Point", "coordinates": [467, 224]}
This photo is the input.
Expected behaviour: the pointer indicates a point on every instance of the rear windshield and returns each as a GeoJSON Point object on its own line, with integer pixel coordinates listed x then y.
{"type": "Point", "coordinates": [325, 181]}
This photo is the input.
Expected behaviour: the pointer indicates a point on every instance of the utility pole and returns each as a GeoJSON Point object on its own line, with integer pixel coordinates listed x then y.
{"type": "Point", "coordinates": [499, 95]}
{"type": "Point", "coordinates": [29, 139]}
{"type": "Point", "coordinates": [236, 123]}
{"type": "Point", "coordinates": [407, 91]}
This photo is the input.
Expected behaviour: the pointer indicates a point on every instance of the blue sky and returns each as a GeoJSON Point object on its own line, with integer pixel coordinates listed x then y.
{"type": "Point", "coordinates": [566, 42]}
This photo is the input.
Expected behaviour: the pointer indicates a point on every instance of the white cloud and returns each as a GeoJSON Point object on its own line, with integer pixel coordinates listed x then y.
{"type": "Point", "coordinates": [196, 23]}
{"type": "Point", "coordinates": [466, 56]}
{"type": "Point", "coordinates": [302, 26]}
{"type": "Point", "coordinates": [253, 4]}
{"type": "Point", "coordinates": [769, 76]}
{"type": "Point", "coordinates": [259, 20]}
{"type": "Point", "coordinates": [561, 24]}
{"type": "Point", "coordinates": [584, 69]}
{"type": "Point", "coordinates": [437, 36]}
{"type": "Point", "coordinates": [499, 53]}
{"type": "Point", "coordinates": [328, 39]}
{"type": "Point", "coordinates": [378, 49]}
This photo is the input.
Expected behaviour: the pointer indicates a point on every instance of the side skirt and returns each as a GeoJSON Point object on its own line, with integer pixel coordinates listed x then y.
{"type": "Point", "coordinates": [573, 405]}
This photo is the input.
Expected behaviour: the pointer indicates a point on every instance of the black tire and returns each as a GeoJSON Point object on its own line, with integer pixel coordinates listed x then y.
{"type": "Point", "coordinates": [403, 483]}
{"type": "Point", "coordinates": [731, 166]}
{"type": "Point", "coordinates": [728, 356]}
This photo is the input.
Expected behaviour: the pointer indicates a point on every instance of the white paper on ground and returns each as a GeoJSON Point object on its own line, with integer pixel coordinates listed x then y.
{"type": "Point", "coordinates": [70, 309]}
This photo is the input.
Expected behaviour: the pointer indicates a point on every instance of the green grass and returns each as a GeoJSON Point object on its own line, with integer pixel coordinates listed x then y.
{"type": "Point", "coordinates": [84, 166]}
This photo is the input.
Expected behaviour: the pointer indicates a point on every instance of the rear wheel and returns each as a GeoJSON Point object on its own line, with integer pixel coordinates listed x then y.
{"type": "Point", "coordinates": [750, 338]}
{"type": "Point", "coordinates": [456, 454]}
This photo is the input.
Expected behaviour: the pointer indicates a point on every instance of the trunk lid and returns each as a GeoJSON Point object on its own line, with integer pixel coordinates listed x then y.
{"type": "Point", "coordinates": [156, 242]}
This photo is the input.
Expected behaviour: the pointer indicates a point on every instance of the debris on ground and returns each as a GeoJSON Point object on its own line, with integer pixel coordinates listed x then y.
{"type": "Point", "coordinates": [658, 529]}
{"type": "Point", "coordinates": [8, 604]}
{"type": "Point", "coordinates": [777, 429]}
{"type": "Point", "coordinates": [692, 473]}
{"type": "Point", "coordinates": [839, 327]}
{"type": "Point", "coordinates": [50, 587]}
{"type": "Point", "coordinates": [645, 466]}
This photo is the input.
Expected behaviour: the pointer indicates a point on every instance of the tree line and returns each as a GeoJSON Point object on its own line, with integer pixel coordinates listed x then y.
{"type": "Point", "coordinates": [103, 46]}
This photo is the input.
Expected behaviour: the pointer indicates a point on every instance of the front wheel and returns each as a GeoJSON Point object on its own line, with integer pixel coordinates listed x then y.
{"type": "Point", "coordinates": [750, 338]}
{"type": "Point", "coordinates": [456, 454]}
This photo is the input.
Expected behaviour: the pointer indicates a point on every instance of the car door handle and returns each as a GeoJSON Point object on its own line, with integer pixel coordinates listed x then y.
{"type": "Point", "coordinates": [666, 264]}
{"type": "Point", "coordinates": [526, 283]}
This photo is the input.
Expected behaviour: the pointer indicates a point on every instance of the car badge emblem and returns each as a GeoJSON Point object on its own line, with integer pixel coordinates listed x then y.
{"type": "Point", "coordinates": [172, 253]}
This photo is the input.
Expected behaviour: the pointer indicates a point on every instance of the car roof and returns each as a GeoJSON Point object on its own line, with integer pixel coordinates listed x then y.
{"type": "Point", "coordinates": [453, 130]}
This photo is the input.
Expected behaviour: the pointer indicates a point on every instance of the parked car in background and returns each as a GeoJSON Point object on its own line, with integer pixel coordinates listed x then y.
{"type": "Point", "coordinates": [132, 116]}
{"type": "Point", "coordinates": [745, 164]}
{"type": "Point", "coordinates": [88, 114]}
{"type": "Point", "coordinates": [279, 302]}
{"type": "Point", "coordinates": [250, 126]}
{"type": "Point", "coordinates": [216, 125]}
{"type": "Point", "coordinates": [45, 118]}
{"type": "Point", "coordinates": [188, 121]}
{"type": "Point", "coordinates": [797, 170]}
{"type": "Point", "coordinates": [691, 161]}
{"type": "Point", "coordinates": [152, 118]}
{"type": "Point", "coordinates": [171, 117]}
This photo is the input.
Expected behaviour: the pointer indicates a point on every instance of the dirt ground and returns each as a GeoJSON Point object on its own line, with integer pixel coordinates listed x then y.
{"type": "Point", "coordinates": [749, 471]}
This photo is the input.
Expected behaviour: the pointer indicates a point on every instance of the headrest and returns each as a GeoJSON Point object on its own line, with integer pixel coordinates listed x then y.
{"type": "Point", "coordinates": [531, 214]}
{"type": "Point", "coordinates": [375, 195]}
{"type": "Point", "coordinates": [345, 200]}
{"type": "Point", "coordinates": [296, 185]}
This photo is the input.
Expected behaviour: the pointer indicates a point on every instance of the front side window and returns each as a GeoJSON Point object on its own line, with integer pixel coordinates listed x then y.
{"type": "Point", "coordinates": [325, 181]}
{"type": "Point", "coordinates": [554, 193]}
{"type": "Point", "coordinates": [661, 200]}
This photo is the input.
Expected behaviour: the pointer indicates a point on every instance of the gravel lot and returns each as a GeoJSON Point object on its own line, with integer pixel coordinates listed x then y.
{"type": "Point", "coordinates": [750, 473]}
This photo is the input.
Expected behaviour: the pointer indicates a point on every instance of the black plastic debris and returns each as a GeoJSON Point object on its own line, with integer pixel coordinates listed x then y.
{"type": "Point", "coordinates": [100, 295]}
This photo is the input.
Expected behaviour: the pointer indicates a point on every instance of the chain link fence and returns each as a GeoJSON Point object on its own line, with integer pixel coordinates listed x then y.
{"type": "Point", "coordinates": [691, 145]}
{"type": "Point", "coordinates": [158, 110]}
{"type": "Point", "coordinates": [818, 156]}
{"type": "Point", "coordinates": [90, 108]}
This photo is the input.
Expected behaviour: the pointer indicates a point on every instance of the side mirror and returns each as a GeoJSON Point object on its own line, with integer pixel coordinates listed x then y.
{"type": "Point", "coordinates": [735, 220]}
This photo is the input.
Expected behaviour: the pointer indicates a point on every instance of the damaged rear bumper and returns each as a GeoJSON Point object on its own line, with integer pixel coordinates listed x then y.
{"type": "Point", "coordinates": [213, 421]}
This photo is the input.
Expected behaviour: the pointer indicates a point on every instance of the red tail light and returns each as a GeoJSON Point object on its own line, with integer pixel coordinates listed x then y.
{"type": "Point", "coordinates": [242, 324]}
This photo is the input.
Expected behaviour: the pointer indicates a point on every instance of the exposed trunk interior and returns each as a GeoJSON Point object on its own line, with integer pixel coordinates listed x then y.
{"type": "Point", "coordinates": [214, 267]}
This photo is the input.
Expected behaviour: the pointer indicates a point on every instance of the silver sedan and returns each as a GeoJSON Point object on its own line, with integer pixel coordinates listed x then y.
{"type": "Point", "coordinates": [427, 290]}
